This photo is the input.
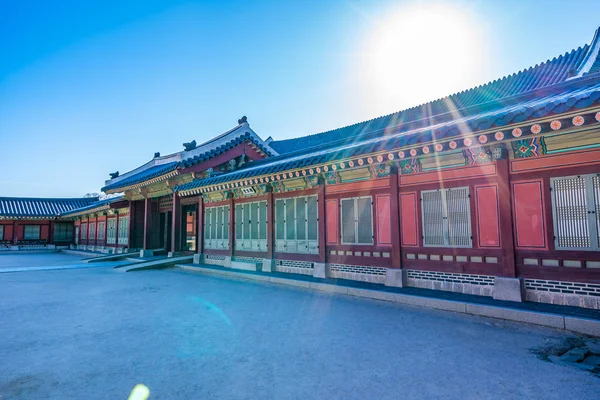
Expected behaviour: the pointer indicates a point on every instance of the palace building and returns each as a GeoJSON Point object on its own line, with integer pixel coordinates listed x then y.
{"type": "Point", "coordinates": [493, 191]}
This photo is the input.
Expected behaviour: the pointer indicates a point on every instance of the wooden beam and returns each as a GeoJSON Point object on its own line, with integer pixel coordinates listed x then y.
{"type": "Point", "coordinates": [176, 224]}
{"type": "Point", "coordinates": [505, 217]}
{"type": "Point", "coordinates": [200, 228]}
{"type": "Point", "coordinates": [395, 219]}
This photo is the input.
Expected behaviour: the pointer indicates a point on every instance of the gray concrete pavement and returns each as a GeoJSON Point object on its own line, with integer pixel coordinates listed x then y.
{"type": "Point", "coordinates": [94, 333]}
{"type": "Point", "coordinates": [47, 261]}
{"type": "Point", "coordinates": [37, 260]}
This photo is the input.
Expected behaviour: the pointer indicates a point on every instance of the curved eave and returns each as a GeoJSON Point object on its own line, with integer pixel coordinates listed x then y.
{"type": "Point", "coordinates": [226, 147]}
{"type": "Point", "coordinates": [85, 212]}
{"type": "Point", "coordinates": [148, 182]}
{"type": "Point", "coordinates": [521, 115]}
{"type": "Point", "coordinates": [27, 217]}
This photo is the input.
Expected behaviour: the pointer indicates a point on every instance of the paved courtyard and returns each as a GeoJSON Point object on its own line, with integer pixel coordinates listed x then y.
{"type": "Point", "coordinates": [42, 261]}
{"type": "Point", "coordinates": [94, 333]}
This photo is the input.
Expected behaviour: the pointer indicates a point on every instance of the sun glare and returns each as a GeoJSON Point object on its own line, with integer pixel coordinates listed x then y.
{"type": "Point", "coordinates": [421, 53]}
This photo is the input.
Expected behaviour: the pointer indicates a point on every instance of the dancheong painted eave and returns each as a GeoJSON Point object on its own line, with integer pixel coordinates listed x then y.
{"type": "Point", "coordinates": [165, 167]}
{"type": "Point", "coordinates": [97, 206]}
{"type": "Point", "coordinates": [163, 171]}
{"type": "Point", "coordinates": [24, 208]}
{"type": "Point", "coordinates": [421, 141]}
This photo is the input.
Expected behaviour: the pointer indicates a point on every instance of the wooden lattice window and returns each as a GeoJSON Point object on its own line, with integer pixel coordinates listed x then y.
{"type": "Point", "coordinates": [576, 211]}
{"type": "Point", "coordinates": [216, 227]}
{"type": "Point", "coordinates": [251, 226]}
{"type": "Point", "coordinates": [357, 220]}
{"type": "Point", "coordinates": [123, 234]}
{"type": "Point", "coordinates": [101, 227]}
{"type": "Point", "coordinates": [296, 225]}
{"type": "Point", "coordinates": [446, 215]}
{"type": "Point", "coordinates": [31, 232]}
{"type": "Point", "coordinates": [111, 231]}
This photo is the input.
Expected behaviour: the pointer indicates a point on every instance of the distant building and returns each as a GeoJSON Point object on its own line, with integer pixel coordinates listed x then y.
{"type": "Point", "coordinates": [489, 191]}
{"type": "Point", "coordinates": [36, 223]}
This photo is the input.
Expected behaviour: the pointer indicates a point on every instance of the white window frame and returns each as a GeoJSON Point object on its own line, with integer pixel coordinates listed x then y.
{"type": "Point", "coordinates": [123, 234]}
{"type": "Point", "coordinates": [111, 231]}
{"type": "Point", "coordinates": [209, 241]}
{"type": "Point", "coordinates": [84, 231]}
{"type": "Point", "coordinates": [67, 237]}
{"type": "Point", "coordinates": [592, 203]}
{"type": "Point", "coordinates": [301, 246]}
{"type": "Point", "coordinates": [372, 242]}
{"type": "Point", "coordinates": [446, 224]}
{"type": "Point", "coordinates": [39, 232]}
{"type": "Point", "coordinates": [101, 226]}
{"type": "Point", "coordinates": [92, 227]}
{"type": "Point", "coordinates": [248, 244]}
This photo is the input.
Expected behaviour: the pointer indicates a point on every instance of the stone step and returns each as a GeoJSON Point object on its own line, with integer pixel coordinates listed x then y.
{"type": "Point", "coordinates": [156, 264]}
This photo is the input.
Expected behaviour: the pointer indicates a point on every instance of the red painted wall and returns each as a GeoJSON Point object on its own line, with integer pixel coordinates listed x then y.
{"type": "Point", "coordinates": [528, 206]}
{"type": "Point", "coordinates": [332, 210]}
{"type": "Point", "coordinates": [408, 219]}
{"type": "Point", "coordinates": [488, 222]}
{"type": "Point", "coordinates": [8, 232]}
{"type": "Point", "coordinates": [384, 229]}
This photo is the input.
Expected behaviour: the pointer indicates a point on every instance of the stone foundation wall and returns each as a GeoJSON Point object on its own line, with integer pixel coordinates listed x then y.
{"type": "Point", "coordinates": [357, 273]}
{"type": "Point", "coordinates": [294, 267]}
{"type": "Point", "coordinates": [481, 285]}
{"type": "Point", "coordinates": [576, 294]}
{"type": "Point", "coordinates": [223, 261]}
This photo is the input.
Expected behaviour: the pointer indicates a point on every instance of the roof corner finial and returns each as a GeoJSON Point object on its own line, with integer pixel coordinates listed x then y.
{"type": "Point", "coordinates": [114, 175]}
{"type": "Point", "coordinates": [243, 120]}
{"type": "Point", "coordinates": [157, 154]}
{"type": "Point", "coordinates": [189, 146]}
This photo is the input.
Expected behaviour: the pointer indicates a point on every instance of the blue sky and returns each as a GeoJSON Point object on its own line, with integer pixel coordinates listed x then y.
{"type": "Point", "coordinates": [91, 87]}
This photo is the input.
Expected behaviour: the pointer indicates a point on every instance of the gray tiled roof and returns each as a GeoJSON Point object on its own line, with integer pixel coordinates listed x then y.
{"type": "Point", "coordinates": [571, 95]}
{"type": "Point", "coordinates": [20, 207]}
{"type": "Point", "coordinates": [484, 98]}
{"type": "Point", "coordinates": [149, 173]}
{"type": "Point", "coordinates": [93, 206]}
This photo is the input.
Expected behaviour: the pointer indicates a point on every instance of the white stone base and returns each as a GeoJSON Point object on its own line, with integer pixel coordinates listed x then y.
{"type": "Point", "coordinates": [244, 265]}
{"type": "Point", "coordinates": [320, 270]}
{"type": "Point", "coordinates": [198, 258]}
{"type": "Point", "coordinates": [172, 254]}
{"type": "Point", "coordinates": [396, 277]}
{"type": "Point", "coordinates": [268, 265]}
{"type": "Point", "coordinates": [509, 289]}
{"type": "Point", "coordinates": [146, 253]}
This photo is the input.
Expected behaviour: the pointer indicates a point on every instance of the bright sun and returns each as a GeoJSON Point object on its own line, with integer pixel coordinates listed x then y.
{"type": "Point", "coordinates": [421, 53]}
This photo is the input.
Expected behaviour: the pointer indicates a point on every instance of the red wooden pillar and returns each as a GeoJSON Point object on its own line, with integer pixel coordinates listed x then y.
{"type": "Point", "coordinates": [147, 223]}
{"type": "Point", "coordinates": [176, 225]}
{"type": "Point", "coordinates": [15, 232]}
{"type": "Point", "coordinates": [395, 218]}
{"type": "Point", "coordinates": [131, 224]}
{"type": "Point", "coordinates": [105, 229]}
{"type": "Point", "coordinates": [231, 224]}
{"type": "Point", "coordinates": [200, 228]}
{"type": "Point", "coordinates": [51, 233]}
{"type": "Point", "coordinates": [270, 225]}
{"type": "Point", "coordinates": [322, 223]}
{"type": "Point", "coordinates": [506, 220]}
{"type": "Point", "coordinates": [116, 230]}
{"type": "Point", "coordinates": [96, 231]}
